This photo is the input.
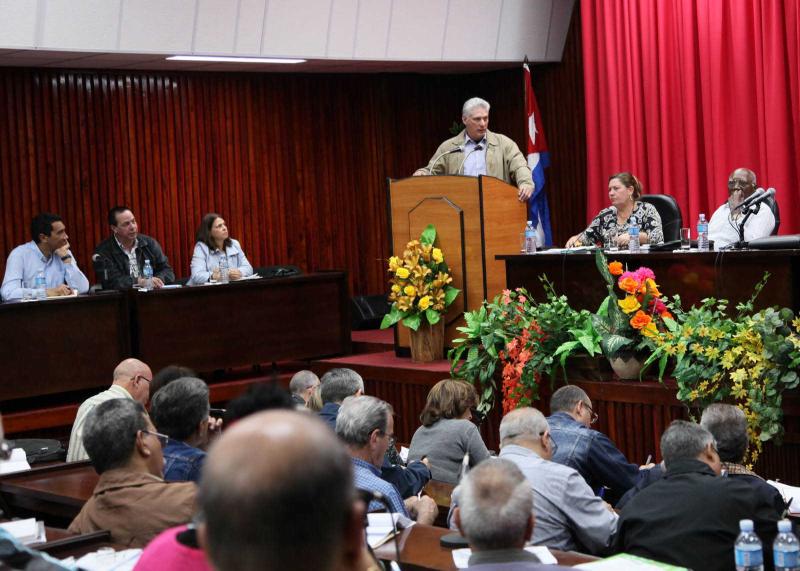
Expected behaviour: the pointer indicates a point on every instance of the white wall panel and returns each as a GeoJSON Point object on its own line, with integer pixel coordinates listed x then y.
{"type": "Point", "coordinates": [17, 23]}
{"type": "Point", "coordinates": [249, 27]}
{"type": "Point", "coordinates": [89, 25]}
{"type": "Point", "coordinates": [342, 35]}
{"type": "Point", "coordinates": [559, 27]}
{"type": "Point", "coordinates": [472, 27]}
{"type": "Point", "coordinates": [372, 28]}
{"type": "Point", "coordinates": [296, 28]}
{"type": "Point", "coordinates": [524, 25]}
{"type": "Point", "coordinates": [216, 26]}
{"type": "Point", "coordinates": [157, 26]}
{"type": "Point", "coordinates": [417, 29]}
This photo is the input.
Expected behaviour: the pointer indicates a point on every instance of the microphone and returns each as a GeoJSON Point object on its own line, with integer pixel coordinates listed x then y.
{"type": "Point", "coordinates": [763, 197]}
{"type": "Point", "coordinates": [437, 159]}
{"type": "Point", "coordinates": [751, 199]}
{"type": "Point", "coordinates": [100, 262]}
{"type": "Point", "coordinates": [478, 147]}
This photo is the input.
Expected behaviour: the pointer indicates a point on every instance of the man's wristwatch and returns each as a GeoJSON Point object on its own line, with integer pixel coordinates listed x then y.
{"type": "Point", "coordinates": [66, 257]}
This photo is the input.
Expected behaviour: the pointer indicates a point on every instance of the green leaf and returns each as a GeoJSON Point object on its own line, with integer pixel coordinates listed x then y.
{"type": "Point", "coordinates": [450, 294]}
{"type": "Point", "coordinates": [392, 317]}
{"type": "Point", "coordinates": [412, 321]}
{"type": "Point", "coordinates": [433, 316]}
{"type": "Point", "coordinates": [428, 236]}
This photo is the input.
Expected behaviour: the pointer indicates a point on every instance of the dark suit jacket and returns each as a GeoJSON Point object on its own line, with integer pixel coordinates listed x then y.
{"type": "Point", "coordinates": [691, 518]}
{"type": "Point", "coordinates": [112, 266]}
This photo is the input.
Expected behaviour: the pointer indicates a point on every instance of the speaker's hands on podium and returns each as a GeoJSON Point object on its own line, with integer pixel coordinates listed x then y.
{"type": "Point", "coordinates": [525, 192]}
{"type": "Point", "coordinates": [421, 172]}
{"type": "Point", "coordinates": [234, 274]}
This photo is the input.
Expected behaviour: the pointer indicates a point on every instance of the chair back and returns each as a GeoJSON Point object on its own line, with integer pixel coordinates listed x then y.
{"type": "Point", "coordinates": [773, 205]}
{"type": "Point", "coordinates": [670, 213]}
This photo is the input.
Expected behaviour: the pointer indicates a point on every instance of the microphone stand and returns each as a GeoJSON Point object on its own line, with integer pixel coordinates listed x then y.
{"type": "Point", "coordinates": [749, 211]}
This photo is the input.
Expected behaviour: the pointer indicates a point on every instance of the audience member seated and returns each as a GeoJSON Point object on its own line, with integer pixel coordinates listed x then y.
{"type": "Point", "coordinates": [337, 385]}
{"type": "Point", "coordinates": [590, 452]}
{"type": "Point", "coordinates": [167, 375]}
{"type": "Point", "coordinates": [691, 516]}
{"type": "Point", "coordinates": [366, 425]}
{"type": "Point", "coordinates": [214, 243]}
{"type": "Point", "coordinates": [180, 410]}
{"type": "Point", "coordinates": [568, 515]}
{"type": "Point", "coordinates": [175, 549]}
{"type": "Point", "coordinates": [119, 260]}
{"type": "Point", "coordinates": [447, 432]}
{"type": "Point", "coordinates": [291, 506]}
{"type": "Point", "coordinates": [496, 517]}
{"type": "Point", "coordinates": [258, 397]}
{"type": "Point", "coordinates": [48, 252]}
{"type": "Point", "coordinates": [303, 386]}
{"type": "Point", "coordinates": [610, 226]}
{"type": "Point", "coordinates": [728, 425]}
{"type": "Point", "coordinates": [131, 500]}
{"type": "Point", "coordinates": [723, 228]}
{"type": "Point", "coordinates": [131, 381]}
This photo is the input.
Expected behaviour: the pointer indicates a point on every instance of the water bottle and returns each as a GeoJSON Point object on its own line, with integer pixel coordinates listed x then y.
{"type": "Point", "coordinates": [40, 285]}
{"type": "Point", "coordinates": [148, 275]}
{"type": "Point", "coordinates": [530, 238]}
{"type": "Point", "coordinates": [747, 549]}
{"type": "Point", "coordinates": [785, 549]}
{"type": "Point", "coordinates": [633, 232]}
{"type": "Point", "coordinates": [223, 269]}
{"type": "Point", "coordinates": [702, 234]}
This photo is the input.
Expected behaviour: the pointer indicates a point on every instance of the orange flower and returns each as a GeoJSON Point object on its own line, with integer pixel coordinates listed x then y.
{"type": "Point", "coordinates": [615, 268]}
{"type": "Point", "coordinates": [629, 284]}
{"type": "Point", "coordinates": [666, 315]}
{"type": "Point", "coordinates": [652, 288]}
{"type": "Point", "coordinates": [640, 320]}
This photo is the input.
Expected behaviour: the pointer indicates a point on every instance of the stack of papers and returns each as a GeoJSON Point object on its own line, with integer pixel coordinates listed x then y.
{"type": "Point", "coordinates": [380, 528]}
{"type": "Point", "coordinates": [27, 531]}
{"type": "Point", "coordinates": [17, 463]}
{"type": "Point", "coordinates": [106, 558]}
{"type": "Point", "coordinates": [626, 562]}
{"type": "Point", "coordinates": [461, 556]}
{"type": "Point", "coordinates": [791, 495]}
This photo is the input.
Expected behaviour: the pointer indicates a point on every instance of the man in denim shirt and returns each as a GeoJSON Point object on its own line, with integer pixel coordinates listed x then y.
{"type": "Point", "coordinates": [180, 410]}
{"type": "Point", "coordinates": [588, 451]}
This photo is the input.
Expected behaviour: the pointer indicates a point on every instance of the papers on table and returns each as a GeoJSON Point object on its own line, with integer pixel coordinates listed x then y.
{"type": "Point", "coordinates": [27, 531]}
{"type": "Point", "coordinates": [626, 562]}
{"type": "Point", "coordinates": [380, 528]}
{"type": "Point", "coordinates": [461, 556]}
{"type": "Point", "coordinates": [17, 463]}
{"type": "Point", "coordinates": [404, 454]}
{"type": "Point", "coordinates": [105, 559]}
{"type": "Point", "coordinates": [791, 495]}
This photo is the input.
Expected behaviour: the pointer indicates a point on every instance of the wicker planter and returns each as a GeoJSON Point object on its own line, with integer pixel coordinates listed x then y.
{"type": "Point", "coordinates": [427, 342]}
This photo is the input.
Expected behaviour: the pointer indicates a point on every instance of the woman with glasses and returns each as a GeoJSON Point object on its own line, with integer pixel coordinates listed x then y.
{"type": "Point", "coordinates": [723, 228]}
{"type": "Point", "coordinates": [217, 256]}
{"type": "Point", "coordinates": [447, 434]}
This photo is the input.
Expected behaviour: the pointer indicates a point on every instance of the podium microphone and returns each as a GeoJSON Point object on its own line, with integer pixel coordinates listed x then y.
{"type": "Point", "coordinates": [750, 199]}
{"type": "Point", "coordinates": [478, 147]}
{"type": "Point", "coordinates": [763, 197]}
{"type": "Point", "coordinates": [437, 159]}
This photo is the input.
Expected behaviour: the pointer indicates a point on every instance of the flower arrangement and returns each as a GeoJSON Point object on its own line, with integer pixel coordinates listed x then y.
{"type": "Point", "coordinates": [420, 284]}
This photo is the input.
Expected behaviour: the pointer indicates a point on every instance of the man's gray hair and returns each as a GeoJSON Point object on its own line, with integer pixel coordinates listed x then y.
{"type": "Point", "coordinates": [495, 504]}
{"type": "Point", "coordinates": [179, 407]}
{"type": "Point", "coordinates": [471, 104]}
{"type": "Point", "coordinates": [359, 417]}
{"type": "Point", "coordinates": [338, 384]}
{"type": "Point", "coordinates": [521, 424]}
{"type": "Point", "coordinates": [301, 381]}
{"type": "Point", "coordinates": [728, 425]}
{"type": "Point", "coordinates": [684, 440]}
{"type": "Point", "coordinates": [109, 434]}
{"type": "Point", "coordinates": [565, 398]}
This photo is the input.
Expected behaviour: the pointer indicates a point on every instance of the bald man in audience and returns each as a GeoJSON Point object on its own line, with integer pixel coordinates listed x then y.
{"type": "Point", "coordinates": [291, 507]}
{"type": "Point", "coordinates": [132, 380]}
{"type": "Point", "coordinates": [496, 517]}
{"type": "Point", "coordinates": [131, 499]}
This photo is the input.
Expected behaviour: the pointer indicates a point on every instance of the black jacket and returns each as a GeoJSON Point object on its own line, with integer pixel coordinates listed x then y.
{"type": "Point", "coordinates": [113, 269]}
{"type": "Point", "coordinates": [691, 518]}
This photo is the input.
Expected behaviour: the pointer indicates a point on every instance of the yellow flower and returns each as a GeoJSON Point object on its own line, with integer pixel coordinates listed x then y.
{"type": "Point", "coordinates": [716, 334]}
{"type": "Point", "coordinates": [650, 330]}
{"type": "Point", "coordinates": [394, 263]}
{"type": "Point", "coordinates": [395, 288]}
{"type": "Point", "coordinates": [629, 305]}
{"type": "Point", "coordinates": [410, 291]}
{"type": "Point", "coordinates": [438, 257]}
{"type": "Point", "coordinates": [402, 273]}
{"type": "Point", "coordinates": [796, 323]}
{"type": "Point", "coordinates": [424, 302]}
{"type": "Point", "coordinates": [739, 375]}
{"type": "Point", "coordinates": [727, 360]}
{"type": "Point", "coordinates": [712, 353]}
{"type": "Point", "coordinates": [703, 331]}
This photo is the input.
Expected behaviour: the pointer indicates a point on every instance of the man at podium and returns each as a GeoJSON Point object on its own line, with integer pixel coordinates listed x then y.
{"type": "Point", "coordinates": [476, 151]}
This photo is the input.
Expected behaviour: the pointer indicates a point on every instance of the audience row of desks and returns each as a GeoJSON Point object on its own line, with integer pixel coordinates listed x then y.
{"type": "Point", "coordinates": [72, 344]}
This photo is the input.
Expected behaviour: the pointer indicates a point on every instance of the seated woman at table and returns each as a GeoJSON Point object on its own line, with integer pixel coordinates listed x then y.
{"type": "Point", "coordinates": [447, 433]}
{"type": "Point", "coordinates": [610, 226]}
{"type": "Point", "coordinates": [212, 244]}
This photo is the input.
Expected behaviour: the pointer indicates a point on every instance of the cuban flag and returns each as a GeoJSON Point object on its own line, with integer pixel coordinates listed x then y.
{"type": "Point", "coordinates": [538, 159]}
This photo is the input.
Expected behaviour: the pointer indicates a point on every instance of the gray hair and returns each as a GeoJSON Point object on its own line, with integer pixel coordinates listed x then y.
{"type": "Point", "coordinates": [109, 434]}
{"type": "Point", "coordinates": [338, 384]}
{"type": "Point", "coordinates": [728, 425]}
{"type": "Point", "coordinates": [565, 398]}
{"type": "Point", "coordinates": [471, 104]}
{"type": "Point", "coordinates": [684, 440]}
{"type": "Point", "coordinates": [495, 504]}
{"type": "Point", "coordinates": [179, 407]}
{"type": "Point", "coordinates": [359, 417]}
{"type": "Point", "coordinates": [301, 381]}
{"type": "Point", "coordinates": [521, 424]}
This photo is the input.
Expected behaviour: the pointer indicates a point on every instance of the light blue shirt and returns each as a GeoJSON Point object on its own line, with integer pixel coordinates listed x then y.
{"type": "Point", "coordinates": [27, 260]}
{"type": "Point", "coordinates": [204, 261]}
{"type": "Point", "coordinates": [475, 163]}
{"type": "Point", "coordinates": [368, 477]}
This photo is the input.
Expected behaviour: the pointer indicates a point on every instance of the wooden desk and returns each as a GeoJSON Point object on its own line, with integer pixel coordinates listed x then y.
{"type": "Point", "coordinates": [420, 551]}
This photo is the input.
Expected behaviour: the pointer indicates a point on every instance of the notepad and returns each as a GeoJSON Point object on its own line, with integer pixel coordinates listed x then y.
{"type": "Point", "coordinates": [461, 556]}
{"type": "Point", "coordinates": [627, 562]}
{"type": "Point", "coordinates": [26, 530]}
{"type": "Point", "coordinates": [791, 495]}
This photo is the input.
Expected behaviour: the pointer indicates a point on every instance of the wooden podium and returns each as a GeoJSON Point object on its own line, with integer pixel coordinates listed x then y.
{"type": "Point", "coordinates": [476, 218]}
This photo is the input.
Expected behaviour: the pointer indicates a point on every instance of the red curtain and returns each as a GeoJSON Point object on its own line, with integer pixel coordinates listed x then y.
{"type": "Point", "coordinates": [682, 92]}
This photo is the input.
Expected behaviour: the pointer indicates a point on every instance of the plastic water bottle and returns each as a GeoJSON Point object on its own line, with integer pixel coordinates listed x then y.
{"type": "Point", "coordinates": [702, 234]}
{"type": "Point", "coordinates": [530, 238]}
{"type": "Point", "coordinates": [223, 269]}
{"type": "Point", "coordinates": [40, 285]}
{"type": "Point", "coordinates": [633, 232]}
{"type": "Point", "coordinates": [785, 549]}
{"type": "Point", "coordinates": [148, 275]}
{"type": "Point", "coordinates": [747, 549]}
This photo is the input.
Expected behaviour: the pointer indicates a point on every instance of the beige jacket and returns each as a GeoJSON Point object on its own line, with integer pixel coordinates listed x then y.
{"type": "Point", "coordinates": [503, 159]}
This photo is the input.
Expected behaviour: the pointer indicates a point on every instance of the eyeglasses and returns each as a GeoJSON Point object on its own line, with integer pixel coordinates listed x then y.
{"type": "Point", "coordinates": [594, 415]}
{"type": "Point", "coordinates": [163, 439]}
{"type": "Point", "coordinates": [737, 183]}
{"type": "Point", "coordinates": [145, 379]}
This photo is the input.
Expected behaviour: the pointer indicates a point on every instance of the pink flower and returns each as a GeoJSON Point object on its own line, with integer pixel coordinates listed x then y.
{"type": "Point", "coordinates": [644, 273]}
{"type": "Point", "coordinates": [506, 296]}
